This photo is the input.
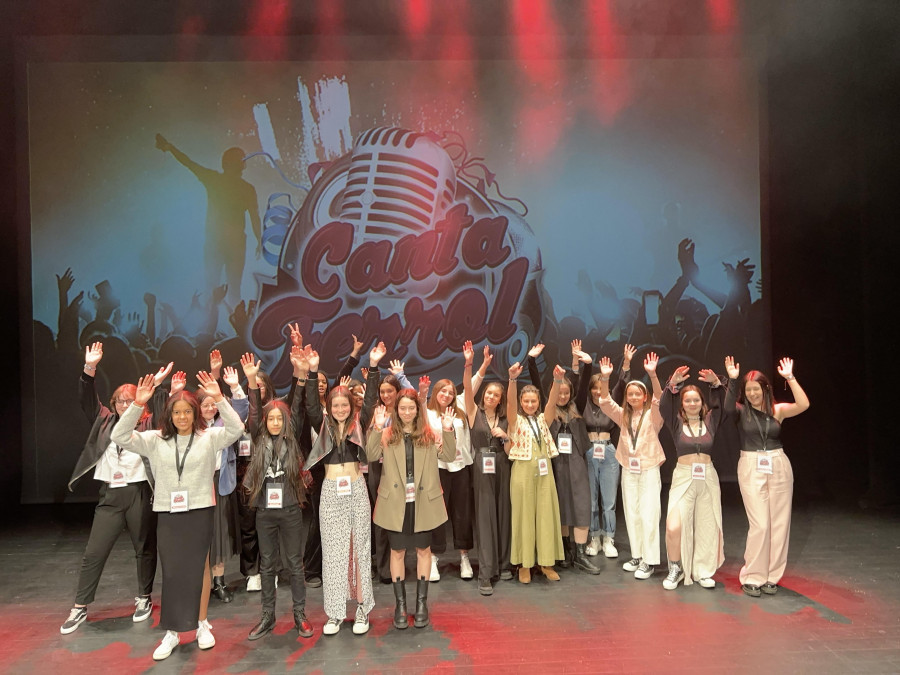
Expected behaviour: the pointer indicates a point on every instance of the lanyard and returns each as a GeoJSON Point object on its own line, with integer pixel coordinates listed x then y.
{"type": "Point", "coordinates": [180, 467]}
{"type": "Point", "coordinates": [696, 437]}
{"type": "Point", "coordinates": [492, 440]}
{"type": "Point", "coordinates": [636, 432]}
{"type": "Point", "coordinates": [764, 434]}
{"type": "Point", "coordinates": [535, 430]}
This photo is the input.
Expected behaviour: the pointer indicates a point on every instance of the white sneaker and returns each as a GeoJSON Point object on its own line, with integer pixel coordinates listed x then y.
{"type": "Point", "coordinates": [632, 565]}
{"type": "Point", "coordinates": [644, 571]}
{"type": "Point", "coordinates": [169, 642]}
{"type": "Point", "coordinates": [707, 582]}
{"type": "Point", "coordinates": [609, 548]}
{"type": "Point", "coordinates": [205, 639]}
{"type": "Point", "coordinates": [361, 624]}
{"type": "Point", "coordinates": [142, 609]}
{"type": "Point", "coordinates": [331, 627]}
{"type": "Point", "coordinates": [465, 567]}
{"type": "Point", "coordinates": [435, 575]}
{"type": "Point", "coordinates": [675, 575]}
{"type": "Point", "coordinates": [254, 583]}
{"type": "Point", "coordinates": [593, 547]}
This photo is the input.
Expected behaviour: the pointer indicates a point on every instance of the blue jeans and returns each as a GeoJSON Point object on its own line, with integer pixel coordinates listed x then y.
{"type": "Point", "coordinates": [604, 479]}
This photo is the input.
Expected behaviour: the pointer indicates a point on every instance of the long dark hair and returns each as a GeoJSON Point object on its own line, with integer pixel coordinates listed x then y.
{"type": "Point", "coordinates": [501, 404]}
{"type": "Point", "coordinates": [293, 459]}
{"type": "Point", "coordinates": [270, 388]}
{"type": "Point", "coordinates": [422, 433]}
{"type": "Point", "coordinates": [768, 395]}
{"type": "Point", "coordinates": [167, 427]}
{"type": "Point", "coordinates": [570, 406]}
{"type": "Point", "coordinates": [340, 392]}
{"type": "Point", "coordinates": [704, 410]}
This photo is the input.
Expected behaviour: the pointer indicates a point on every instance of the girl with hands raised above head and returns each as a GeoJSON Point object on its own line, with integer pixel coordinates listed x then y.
{"type": "Point", "coordinates": [640, 455]}
{"type": "Point", "coordinates": [536, 531]}
{"type": "Point", "coordinates": [764, 471]}
{"type": "Point", "coordinates": [694, 518]}
{"type": "Point", "coordinates": [410, 503]}
{"type": "Point", "coordinates": [182, 454]}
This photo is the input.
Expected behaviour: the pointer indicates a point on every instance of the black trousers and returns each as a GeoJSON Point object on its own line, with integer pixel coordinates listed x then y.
{"type": "Point", "coordinates": [249, 543]}
{"type": "Point", "coordinates": [493, 515]}
{"type": "Point", "coordinates": [127, 507]}
{"type": "Point", "coordinates": [457, 486]}
{"type": "Point", "coordinates": [290, 526]}
{"type": "Point", "coordinates": [381, 546]}
{"type": "Point", "coordinates": [312, 554]}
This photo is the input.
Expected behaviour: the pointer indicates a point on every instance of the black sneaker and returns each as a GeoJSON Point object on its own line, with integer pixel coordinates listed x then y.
{"type": "Point", "coordinates": [751, 589]}
{"type": "Point", "coordinates": [313, 582]}
{"type": "Point", "coordinates": [769, 588]}
{"type": "Point", "coordinates": [142, 609]}
{"type": "Point", "coordinates": [506, 575]}
{"type": "Point", "coordinates": [484, 587]}
{"type": "Point", "coordinates": [76, 618]}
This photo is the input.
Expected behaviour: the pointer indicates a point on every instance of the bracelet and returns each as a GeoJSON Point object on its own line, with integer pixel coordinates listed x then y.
{"type": "Point", "coordinates": [513, 379]}
{"type": "Point", "coordinates": [791, 378]}
{"type": "Point", "coordinates": [558, 381]}
{"type": "Point", "coordinates": [90, 368]}
{"type": "Point", "coordinates": [604, 379]}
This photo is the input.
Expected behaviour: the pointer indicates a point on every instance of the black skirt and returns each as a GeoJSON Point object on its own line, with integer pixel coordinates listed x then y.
{"type": "Point", "coordinates": [183, 541]}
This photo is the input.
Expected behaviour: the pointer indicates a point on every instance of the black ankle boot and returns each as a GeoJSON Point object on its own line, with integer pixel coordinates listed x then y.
{"type": "Point", "coordinates": [264, 627]}
{"type": "Point", "coordinates": [568, 545]}
{"type": "Point", "coordinates": [220, 590]}
{"type": "Point", "coordinates": [582, 561]}
{"type": "Point", "coordinates": [421, 616]}
{"type": "Point", "coordinates": [401, 620]}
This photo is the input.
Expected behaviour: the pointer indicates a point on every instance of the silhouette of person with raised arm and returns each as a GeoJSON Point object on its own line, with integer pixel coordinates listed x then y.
{"type": "Point", "coordinates": [228, 198]}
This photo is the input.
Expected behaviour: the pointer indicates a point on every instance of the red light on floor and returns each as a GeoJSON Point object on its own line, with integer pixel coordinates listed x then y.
{"type": "Point", "coordinates": [723, 16]}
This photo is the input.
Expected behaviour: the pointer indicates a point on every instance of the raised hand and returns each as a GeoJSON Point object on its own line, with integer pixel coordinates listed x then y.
{"type": "Point", "coordinates": [179, 382]}
{"type": "Point", "coordinates": [448, 418]}
{"type": "Point", "coordinates": [786, 368]}
{"type": "Point", "coordinates": [606, 367]}
{"type": "Point", "coordinates": [535, 351]}
{"type": "Point", "coordinates": [296, 337]}
{"type": "Point", "coordinates": [93, 354]}
{"type": "Point", "coordinates": [468, 352]}
{"type": "Point", "coordinates": [162, 143]}
{"type": "Point", "coordinates": [231, 377]}
{"type": "Point", "coordinates": [424, 386]}
{"type": "Point", "coordinates": [379, 416]}
{"type": "Point", "coordinates": [215, 361]}
{"type": "Point", "coordinates": [312, 356]}
{"type": "Point", "coordinates": [250, 365]}
{"type": "Point", "coordinates": [487, 357]}
{"type": "Point", "coordinates": [208, 386]}
{"type": "Point", "coordinates": [628, 354]}
{"type": "Point", "coordinates": [145, 387]}
{"type": "Point", "coordinates": [298, 361]}
{"type": "Point", "coordinates": [365, 374]}
{"type": "Point", "coordinates": [162, 373]}
{"type": "Point", "coordinates": [64, 282]}
{"type": "Point", "coordinates": [357, 347]}
{"type": "Point", "coordinates": [709, 376]}
{"type": "Point", "coordinates": [681, 374]}
{"type": "Point", "coordinates": [733, 369]}
{"type": "Point", "coordinates": [689, 268]}
{"type": "Point", "coordinates": [515, 370]}
{"type": "Point", "coordinates": [650, 362]}
{"type": "Point", "coordinates": [397, 367]}
{"type": "Point", "coordinates": [345, 382]}
{"type": "Point", "coordinates": [577, 354]}
{"type": "Point", "coordinates": [377, 353]}
{"type": "Point", "coordinates": [559, 373]}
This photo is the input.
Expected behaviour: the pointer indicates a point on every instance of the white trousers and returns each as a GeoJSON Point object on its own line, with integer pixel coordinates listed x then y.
{"type": "Point", "coordinates": [641, 503]}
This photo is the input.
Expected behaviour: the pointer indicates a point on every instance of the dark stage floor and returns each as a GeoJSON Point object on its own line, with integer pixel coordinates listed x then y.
{"type": "Point", "coordinates": [839, 612]}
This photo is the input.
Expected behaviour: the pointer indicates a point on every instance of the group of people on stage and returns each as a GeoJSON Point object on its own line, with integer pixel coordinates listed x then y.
{"type": "Point", "coordinates": [526, 478]}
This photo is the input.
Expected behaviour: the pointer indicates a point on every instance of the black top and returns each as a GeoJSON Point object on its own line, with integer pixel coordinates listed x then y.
{"type": "Point", "coordinates": [274, 462]}
{"type": "Point", "coordinates": [686, 443]}
{"type": "Point", "coordinates": [759, 431]}
{"type": "Point", "coordinates": [594, 418]}
{"type": "Point", "coordinates": [481, 436]}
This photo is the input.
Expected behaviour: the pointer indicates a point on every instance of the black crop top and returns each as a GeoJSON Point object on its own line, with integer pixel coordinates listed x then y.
{"type": "Point", "coordinates": [686, 444]}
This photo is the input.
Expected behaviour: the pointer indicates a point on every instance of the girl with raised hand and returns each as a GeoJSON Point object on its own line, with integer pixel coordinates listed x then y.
{"type": "Point", "coordinates": [344, 511]}
{"type": "Point", "coordinates": [410, 504]}
{"type": "Point", "coordinates": [640, 454]}
{"type": "Point", "coordinates": [182, 455]}
{"type": "Point", "coordinates": [275, 487]}
{"type": "Point", "coordinates": [490, 475]}
{"type": "Point", "coordinates": [603, 469]}
{"type": "Point", "coordinates": [536, 532]}
{"type": "Point", "coordinates": [764, 471]}
{"type": "Point", "coordinates": [694, 540]}
{"type": "Point", "coordinates": [126, 491]}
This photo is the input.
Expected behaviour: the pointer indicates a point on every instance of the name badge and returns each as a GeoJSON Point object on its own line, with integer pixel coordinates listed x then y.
{"type": "Point", "coordinates": [274, 496]}
{"type": "Point", "coordinates": [178, 501]}
{"type": "Point", "coordinates": [599, 452]}
{"type": "Point", "coordinates": [488, 462]}
{"type": "Point", "coordinates": [763, 463]}
{"type": "Point", "coordinates": [698, 471]}
{"type": "Point", "coordinates": [410, 492]}
{"type": "Point", "coordinates": [542, 466]}
{"type": "Point", "coordinates": [118, 480]}
{"type": "Point", "coordinates": [564, 444]}
{"type": "Point", "coordinates": [634, 464]}
{"type": "Point", "coordinates": [244, 447]}
{"type": "Point", "coordinates": [343, 486]}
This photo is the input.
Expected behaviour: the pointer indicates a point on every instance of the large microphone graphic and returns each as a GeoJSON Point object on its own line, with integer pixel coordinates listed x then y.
{"type": "Point", "coordinates": [399, 182]}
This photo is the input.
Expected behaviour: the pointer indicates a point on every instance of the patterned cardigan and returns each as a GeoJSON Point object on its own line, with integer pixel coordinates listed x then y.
{"type": "Point", "coordinates": [524, 435]}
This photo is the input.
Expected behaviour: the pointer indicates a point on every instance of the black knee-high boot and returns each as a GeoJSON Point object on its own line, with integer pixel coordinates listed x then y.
{"type": "Point", "coordinates": [421, 616]}
{"type": "Point", "coordinates": [401, 620]}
